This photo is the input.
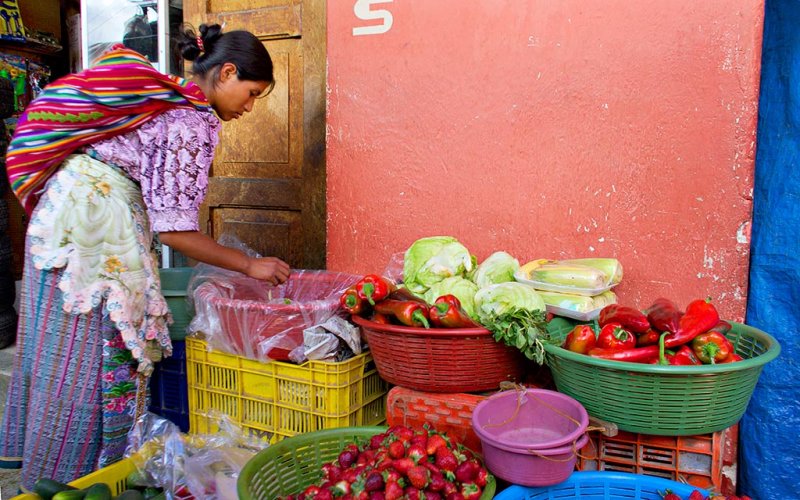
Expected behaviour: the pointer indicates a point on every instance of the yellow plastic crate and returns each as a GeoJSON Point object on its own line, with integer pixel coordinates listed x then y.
{"type": "Point", "coordinates": [279, 399]}
{"type": "Point", "coordinates": [114, 476]}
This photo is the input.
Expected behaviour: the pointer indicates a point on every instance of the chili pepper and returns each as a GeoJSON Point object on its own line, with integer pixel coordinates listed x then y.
{"type": "Point", "coordinates": [664, 315]}
{"type": "Point", "coordinates": [701, 316]}
{"type": "Point", "coordinates": [447, 313]}
{"type": "Point", "coordinates": [630, 318]}
{"type": "Point", "coordinates": [650, 337]}
{"type": "Point", "coordinates": [732, 358]}
{"type": "Point", "coordinates": [683, 357]}
{"type": "Point", "coordinates": [352, 303]}
{"type": "Point", "coordinates": [635, 355]}
{"type": "Point", "coordinates": [407, 312]}
{"type": "Point", "coordinates": [711, 347]}
{"type": "Point", "coordinates": [722, 327]}
{"type": "Point", "coordinates": [581, 339]}
{"type": "Point", "coordinates": [380, 318]}
{"type": "Point", "coordinates": [405, 294]}
{"type": "Point", "coordinates": [374, 288]}
{"type": "Point", "coordinates": [614, 336]}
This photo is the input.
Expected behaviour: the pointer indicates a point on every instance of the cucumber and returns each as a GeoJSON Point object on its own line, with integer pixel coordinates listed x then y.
{"type": "Point", "coordinates": [70, 495]}
{"type": "Point", "coordinates": [46, 488]}
{"type": "Point", "coordinates": [98, 491]}
{"type": "Point", "coordinates": [151, 492]}
{"type": "Point", "coordinates": [136, 480]}
{"type": "Point", "coordinates": [131, 495]}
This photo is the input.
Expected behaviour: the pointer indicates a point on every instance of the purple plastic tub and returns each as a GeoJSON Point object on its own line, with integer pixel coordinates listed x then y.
{"type": "Point", "coordinates": [530, 437]}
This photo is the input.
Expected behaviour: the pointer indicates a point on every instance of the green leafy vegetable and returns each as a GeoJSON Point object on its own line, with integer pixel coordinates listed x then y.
{"type": "Point", "coordinates": [462, 288]}
{"type": "Point", "coordinates": [430, 260]}
{"type": "Point", "coordinates": [497, 268]}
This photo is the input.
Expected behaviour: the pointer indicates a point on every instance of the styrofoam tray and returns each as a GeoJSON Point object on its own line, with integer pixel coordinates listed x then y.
{"type": "Point", "coordinates": [519, 275]}
{"type": "Point", "coordinates": [569, 313]}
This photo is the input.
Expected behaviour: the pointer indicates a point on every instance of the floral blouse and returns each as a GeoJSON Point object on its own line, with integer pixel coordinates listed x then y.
{"type": "Point", "coordinates": [170, 157]}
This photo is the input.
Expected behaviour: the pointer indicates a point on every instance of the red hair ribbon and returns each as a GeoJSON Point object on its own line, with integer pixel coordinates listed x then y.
{"type": "Point", "coordinates": [200, 44]}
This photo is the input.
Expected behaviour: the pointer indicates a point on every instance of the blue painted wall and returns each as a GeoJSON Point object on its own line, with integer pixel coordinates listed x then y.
{"type": "Point", "coordinates": [769, 451]}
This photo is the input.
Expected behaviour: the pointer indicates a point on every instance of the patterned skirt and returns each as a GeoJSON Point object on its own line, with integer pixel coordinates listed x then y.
{"type": "Point", "coordinates": [89, 324]}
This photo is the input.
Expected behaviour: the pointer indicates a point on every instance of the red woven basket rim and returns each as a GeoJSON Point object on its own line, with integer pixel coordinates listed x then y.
{"type": "Point", "coordinates": [426, 332]}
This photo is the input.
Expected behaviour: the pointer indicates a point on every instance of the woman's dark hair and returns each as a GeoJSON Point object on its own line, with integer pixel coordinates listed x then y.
{"type": "Point", "coordinates": [241, 48]}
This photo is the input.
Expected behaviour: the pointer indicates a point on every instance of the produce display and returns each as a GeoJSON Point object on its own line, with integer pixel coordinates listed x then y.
{"type": "Point", "coordinates": [697, 495]}
{"type": "Point", "coordinates": [413, 464]}
{"type": "Point", "coordinates": [662, 334]}
{"type": "Point", "coordinates": [48, 489]}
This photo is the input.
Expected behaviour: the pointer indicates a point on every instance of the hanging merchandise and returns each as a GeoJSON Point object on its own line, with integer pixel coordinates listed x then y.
{"type": "Point", "coordinates": [11, 27]}
{"type": "Point", "coordinates": [15, 68]}
{"type": "Point", "coordinates": [38, 77]}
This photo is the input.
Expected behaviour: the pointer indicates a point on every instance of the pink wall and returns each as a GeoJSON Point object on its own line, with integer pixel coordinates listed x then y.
{"type": "Point", "coordinates": [550, 128]}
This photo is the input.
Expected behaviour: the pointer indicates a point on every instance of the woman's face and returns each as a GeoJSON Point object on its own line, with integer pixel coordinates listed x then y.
{"type": "Point", "coordinates": [232, 97]}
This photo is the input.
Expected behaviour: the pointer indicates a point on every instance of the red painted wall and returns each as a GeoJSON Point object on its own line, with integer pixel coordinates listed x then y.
{"type": "Point", "coordinates": [549, 128]}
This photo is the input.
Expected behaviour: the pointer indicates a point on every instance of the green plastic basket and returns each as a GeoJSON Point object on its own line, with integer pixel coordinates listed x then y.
{"type": "Point", "coordinates": [663, 400]}
{"type": "Point", "coordinates": [289, 466]}
{"type": "Point", "coordinates": [174, 283]}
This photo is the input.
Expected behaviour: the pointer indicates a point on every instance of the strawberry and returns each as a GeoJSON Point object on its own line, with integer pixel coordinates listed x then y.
{"type": "Point", "coordinates": [446, 460]}
{"type": "Point", "coordinates": [391, 476]}
{"type": "Point", "coordinates": [470, 491]}
{"type": "Point", "coordinates": [449, 489]}
{"type": "Point", "coordinates": [466, 471]}
{"type": "Point", "coordinates": [376, 441]}
{"type": "Point", "coordinates": [402, 432]}
{"type": "Point", "coordinates": [435, 442]}
{"type": "Point", "coordinates": [669, 495]}
{"type": "Point", "coordinates": [437, 482]}
{"type": "Point", "coordinates": [397, 449]}
{"type": "Point", "coordinates": [455, 496]}
{"type": "Point", "coordinates": [377, 495]}
{"type": "Point", "coordinates": [311, 491]}
{"type": "Point", "coordinates": [432, 495]}
{"type": "Point", "coordinates": [341, 488]}
{"type": "Point", "coordinates": [416, 453]}
{"type": "Point", "coordinates": [419, 476]}
{"type": "Point", "coordinates": [696, 495]}
{"type": "Point", "coordinates": [419, 439]}
{"type": "Point", "coordinates": [365, 457]}
{"type": "Point", "coordinates": [374, 482]}
{"type": "Point", "coordinates": [383, 464]}
{"type": "Point", "coordinates": [347, 458]}
{"type": "Point", "coordinates": [481, 477]}
{"type": "Point", "coordinates": [324, 494]}
{"type": "Point", "coordinates": [411, 493]}
{"type": "Point", "coordinates": [331, 472]}
{"type": "Point", "coordinates": [403, 465]}
{"type": "Point", "coordinates": [393, 491]}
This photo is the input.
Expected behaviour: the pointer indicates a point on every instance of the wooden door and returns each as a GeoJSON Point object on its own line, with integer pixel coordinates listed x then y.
{"type": "Point", "coordinates": [267, 183]}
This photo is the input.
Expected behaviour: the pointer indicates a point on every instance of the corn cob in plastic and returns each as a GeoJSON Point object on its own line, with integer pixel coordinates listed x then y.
{"type": "Point", "coordinates": [578, 303]}
{"type": "Point", "coordinates": [611, 267]}
{"type": "Point", "coordinates": [566, 275]}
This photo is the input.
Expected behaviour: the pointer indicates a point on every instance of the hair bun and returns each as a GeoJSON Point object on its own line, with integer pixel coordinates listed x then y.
{"type": "Point", "coordinates": [193, 45]}
{"type": "Point", "coordinates": [210, 34]}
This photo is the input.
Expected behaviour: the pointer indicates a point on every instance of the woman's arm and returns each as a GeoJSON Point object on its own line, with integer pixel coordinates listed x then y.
{"type": "Point", "coordinates": [199, 246]}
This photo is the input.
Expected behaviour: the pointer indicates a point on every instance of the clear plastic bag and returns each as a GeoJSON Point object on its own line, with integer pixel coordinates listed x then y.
{"type": "Point", "coordinates": [255, 319]}
{"type": "Point", "coordinates": [202, 466]}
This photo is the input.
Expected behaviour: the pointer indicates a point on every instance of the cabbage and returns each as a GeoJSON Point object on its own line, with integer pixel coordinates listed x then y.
{"type": "Point", "coordinates": [430, 260]}
{"type": "Point", "coordinates": [462, 288]}
{"type": "Point", "coordinates": [497, 268]}
{"type": "Point", "coordinates": [505, 298]}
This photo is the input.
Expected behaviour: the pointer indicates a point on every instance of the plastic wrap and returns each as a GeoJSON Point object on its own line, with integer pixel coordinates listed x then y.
{"type": "Point", "coordinates": [199, 466]}
{"type": "Point", "coordinates": [255, 319]}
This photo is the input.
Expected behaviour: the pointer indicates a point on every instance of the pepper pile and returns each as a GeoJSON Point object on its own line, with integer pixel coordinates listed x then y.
{"type": "Point", "coordinates": [662, 334]}
{"type": "Point", "coordinates": [413, 464]}
{"type": "Point", "coordinates": [380, 300]}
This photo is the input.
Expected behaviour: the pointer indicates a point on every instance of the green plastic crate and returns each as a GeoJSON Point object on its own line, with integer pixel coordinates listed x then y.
{"type": "Point", "coordinates": [289, 466]}
{"type": "Point", "coordinates": [663, 400]}
{"type": "Point", "coordinates": [174, 282]}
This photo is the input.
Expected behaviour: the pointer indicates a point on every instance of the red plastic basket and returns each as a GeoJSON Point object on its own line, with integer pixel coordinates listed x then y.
{"type": "Point", "coordinates": [441, 359]}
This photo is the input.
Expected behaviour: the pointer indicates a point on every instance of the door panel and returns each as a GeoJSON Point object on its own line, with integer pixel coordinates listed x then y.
{"type": "Point", "coordinates": [267, 184]}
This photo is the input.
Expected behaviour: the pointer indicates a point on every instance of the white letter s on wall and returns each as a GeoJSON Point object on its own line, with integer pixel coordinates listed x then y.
{"type": "Point", "coordinates": [362, 10]}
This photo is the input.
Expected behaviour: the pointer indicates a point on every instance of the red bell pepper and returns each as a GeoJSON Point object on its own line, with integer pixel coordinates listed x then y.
{"type": "Point", "coordinates": [447, 313]}
{"type": "Point", "coordinates": [581, 339]}
{"type": "Point", "coordinates": [380, 318]}
{"type": "Point", "coordinates": [664, 315]}
{"type": "Point", "coordinates": [732, 358]}
{"type": "Point", "coordinates": [683, 357]}
{"type": "Point", "coordinates": [712, 347]}
{"type": "Point", "coordinates": [722, 327]}
{"type": "Point", "coordinates": [631, 319]}
{"type": "Point", "coordinates": [374, 288]}
{"type": "Point", "coordinates": [650, 337]}
{"type": "Point", "coordinates": [407, 312]}
{"type": "Point", "coordinates": [614, 336]}
{"type": "Point", "coordinates": [635, 355]}
{"type": "Point", "coordinates": [701, 316]}
{"type": "Point", "coordinates": [405, 294]}
{"type": "Point", "coordinates": [352, 303]}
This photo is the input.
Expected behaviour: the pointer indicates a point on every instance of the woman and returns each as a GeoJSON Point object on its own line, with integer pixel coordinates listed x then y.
{"type": "Point", "coordinates": [122, 152]}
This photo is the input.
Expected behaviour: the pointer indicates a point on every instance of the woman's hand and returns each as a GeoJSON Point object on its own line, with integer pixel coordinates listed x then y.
{"type": "Point", "coordinates": [269, 269]}
{"type": "Point", "coordinates": [199, 246]}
